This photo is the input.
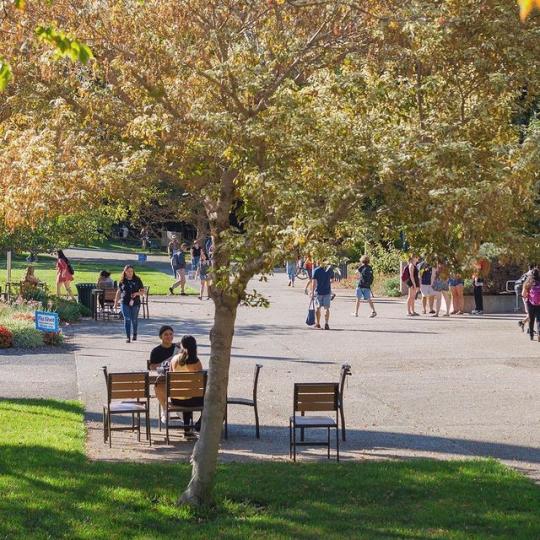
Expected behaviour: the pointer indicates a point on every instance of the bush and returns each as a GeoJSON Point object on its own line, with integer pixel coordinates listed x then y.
{"type": "Point", "coordinates": [53, 338]}
{"type": "Point", "coordinates": [68, 310]}
{"type": "Point", "coordinates": [25, 334]}
{"type": "Point", "coordinates": [391, 287]}
{"type": "Point", "coordinates": [33, 293]}
{"type": "Point", "coordinates": [6, 338]}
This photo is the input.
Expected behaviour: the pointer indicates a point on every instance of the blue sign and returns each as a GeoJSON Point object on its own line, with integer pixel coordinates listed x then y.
{"type": "Point", "coordinates": [47, 321]}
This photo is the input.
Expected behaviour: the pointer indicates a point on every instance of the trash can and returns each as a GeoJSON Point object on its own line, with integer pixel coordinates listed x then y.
{"type": "Point", "coordinates": [84, 291]}
{"type": "Point", "coordinates": [142, 257]}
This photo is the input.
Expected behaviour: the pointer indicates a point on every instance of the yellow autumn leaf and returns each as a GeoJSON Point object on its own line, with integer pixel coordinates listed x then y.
{"type": "Point", "coordinates": [526, 6]}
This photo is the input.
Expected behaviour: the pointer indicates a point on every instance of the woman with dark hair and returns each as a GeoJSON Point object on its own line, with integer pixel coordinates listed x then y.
{"type": "Point", "coordinates": [64, 274]}
{"type": "Point", "coordinates": [531, 295]}
{"type": "Point", "coordinates": [186, 361]}
{"type": "Point", "coordinates": [164, 352]}
{"type": "Point", "coordinates": [129, 293]}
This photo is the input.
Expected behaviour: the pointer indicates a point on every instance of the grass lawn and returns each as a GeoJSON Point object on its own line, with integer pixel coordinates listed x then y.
{"type": "Point", "coordinates": [131, 246]}
{"type": "Point", "coordinates": [87, 272]}
{"type": "Point", "coordinates": [50, 490]}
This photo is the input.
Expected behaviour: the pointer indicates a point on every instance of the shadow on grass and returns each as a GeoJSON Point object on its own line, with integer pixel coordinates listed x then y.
{"type": "Point", "coordinates": [52, 490]}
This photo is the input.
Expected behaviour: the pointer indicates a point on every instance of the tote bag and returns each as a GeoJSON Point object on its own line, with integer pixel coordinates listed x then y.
{"type": "Point", "coordinates": [310, 319]}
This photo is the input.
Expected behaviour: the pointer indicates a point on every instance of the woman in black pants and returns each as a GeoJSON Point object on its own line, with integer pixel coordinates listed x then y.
{"type": "Point", "coordinates": [531, 295]}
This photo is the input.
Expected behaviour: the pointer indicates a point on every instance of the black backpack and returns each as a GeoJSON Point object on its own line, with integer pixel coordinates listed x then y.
{"type": "Point", "coordinates": [366, 277]}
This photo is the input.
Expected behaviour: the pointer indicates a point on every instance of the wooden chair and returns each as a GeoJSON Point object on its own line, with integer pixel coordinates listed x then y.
{"type": "Point", "coordinates": [343, 374]}
{"type": "Point", "coordinates": [108, 297]}
{"type": "Point", "coordinates": [182, 385]}
{"type": "Point", "coordinates": [144, 303]}
{"type": "Point", "coordinates": [127, 393]}
{"type": "Point", "coordinates": [248, 402]}
{"type": "Point", "coordinates": [311, 397]}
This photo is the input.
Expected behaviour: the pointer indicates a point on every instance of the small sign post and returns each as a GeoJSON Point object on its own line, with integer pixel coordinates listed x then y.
{"type": "Point", "coordinates": [47, 321]}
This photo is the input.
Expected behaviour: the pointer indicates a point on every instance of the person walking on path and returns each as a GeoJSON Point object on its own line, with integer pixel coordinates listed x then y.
{"type": "Point", "coordinates": [411, 278]}
{"type": "Point", "coordinates": [308, 265]}
{"type": "Point", "coordinates": [531, 295]}
{"type": "Point", "coordinates": [204, 268]}
{"type": "Point", "coordinates": [365, 281]}
{"type": "Point", "coordinates": [457, 284]}
{"type": "Point", "coordinates": [322, 293]}
{"type": "Point", "coordinates": [428, 297]}
{"type": "Point", "coordinates": [129, 293]}
{"type": "Point", "coordinates": [172, 247]}
{"type": "Point", "coordinates": [64, 274]}
{"type": "Point", "coordinates": [196, 251]}
{"type": "Point", "coordinates": [518, 288]}
{"type": "Point", "coordinates": [441, 288]}
{"type": "Point", "coordinates": [178, 262]}
{"type": "Point", "coordinates": [290, 267]}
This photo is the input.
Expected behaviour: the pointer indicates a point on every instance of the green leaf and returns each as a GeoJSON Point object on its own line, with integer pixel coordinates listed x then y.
{"type": "Point", "coordinates": [5, 74]}
{"type": "Point", "coordinates": [64, 44]}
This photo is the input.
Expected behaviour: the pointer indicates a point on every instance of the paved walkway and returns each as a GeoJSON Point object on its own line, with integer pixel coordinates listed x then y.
{"type": "Point", "coordinates": [422, 387]}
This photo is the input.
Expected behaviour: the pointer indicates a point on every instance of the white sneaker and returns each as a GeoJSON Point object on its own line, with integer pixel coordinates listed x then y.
{"type": "Point", "coordinates": [354, 314]}
{"type": "Point", "coordinates": [163, 419]}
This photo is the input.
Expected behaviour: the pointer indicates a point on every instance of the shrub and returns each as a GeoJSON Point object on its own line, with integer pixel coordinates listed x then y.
{"type": "Point", "coordinates": [68, 310]}
{"type": "Point", "coordinates": [53, 338]}
{"type": "Point", "coordinates": [24, 316]}
{"type": "Point", "coordinates": [33, 293]}
{"type": "Point", "coordinates": [391, 287]}
{"type": "Point", "coordinates": [25, 334]}
{"type": "Point", "coordinates": [6, 338]}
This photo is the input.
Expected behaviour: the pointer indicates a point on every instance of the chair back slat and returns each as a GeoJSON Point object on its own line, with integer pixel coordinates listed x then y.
{"type": "Point", "coordinates": [133, 385]}
{"type": "Point", "coordinates": [316, 396]}
{"type": "Point", "coordinates": [181, 385]}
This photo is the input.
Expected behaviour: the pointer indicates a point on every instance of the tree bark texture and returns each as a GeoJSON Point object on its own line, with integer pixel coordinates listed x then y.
{"type": "Point", "coordinates": [204, 458]}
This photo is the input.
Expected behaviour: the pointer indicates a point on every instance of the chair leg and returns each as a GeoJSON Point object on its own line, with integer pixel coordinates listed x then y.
{"type": "Point", "coordinates": [302, 429]}
{"type": "Point", "coordinates": [139, 427]}
{"type": "Point", "coordinates": [328, 429]}
{"type": "Point", "coordinates": [132, 422]}
{"type": "Point", "coordinates": [109, 427]}
{"type": "Point", "coordinates": [148, 431]}
{"type": "Point", "coordinates": [337, 443]}
{"type": "Point", "coordinates": [226, 421]}
{"type": "Point", "coordinates": [167, 425]}
{"type": "Point", "coordinates": [294, 442]}
{"type": "Point", "coordinates": [257, 433]}
{"type": "Point", "coordinates": [342, 413]}
{"type": "Point", "coordinates": [159, 416]}
{"type": "Point", "coordinates": [104, 425]}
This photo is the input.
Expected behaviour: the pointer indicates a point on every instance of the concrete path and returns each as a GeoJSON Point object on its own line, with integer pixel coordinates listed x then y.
{"type": "Point", "coordinates": [421, 387]}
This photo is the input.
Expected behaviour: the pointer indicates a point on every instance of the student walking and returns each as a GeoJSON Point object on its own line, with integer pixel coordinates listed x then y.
{"type": "Point", "coordinates": [204, 268]}
{"type": "Point", "coordinates": [64, 274]}
{"type": "Point", "coordinates": [478, 286]}
{"type": "Point", "coordinates": [518, 288]}
{"type": "Point", "coordinates": [290, 267]}
{"type": "Point", "coordinates": [531, 295]}
{"type": "Point", "coordinates": [411, 278]}
{"type": "Point", "coordinates": [308, 265]}
{"type": "Point", "coordinates": [178, 262]}
{"type": "Point", "coordinates": [441, 288]}
{"type": "Point", "coordinates": [322, 293]}
{"type": "Point", "coordinates": [129, 293]}
{"type": "Point", "coordinates": [196, 251]}
{"type": "Point", "coordinates": [365, 281]}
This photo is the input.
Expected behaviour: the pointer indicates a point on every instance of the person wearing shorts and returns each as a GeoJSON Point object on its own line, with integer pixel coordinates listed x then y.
{"type": "Point", "coordinates": [179, 265]}
{"type": "Point", "coordinates": [363, 290]}
{"type": "Point", "coordinates": [322, 293]}
{"type": "Point", "coordinates": [426, 290]}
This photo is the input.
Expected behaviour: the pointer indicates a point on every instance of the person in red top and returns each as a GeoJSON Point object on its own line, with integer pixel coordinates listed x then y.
{"type": "Point", "coordinates": [64, 274]}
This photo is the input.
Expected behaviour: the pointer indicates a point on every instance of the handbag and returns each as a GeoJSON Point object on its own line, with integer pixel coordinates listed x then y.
{"type": "Point", "coordinates": [310, 319]}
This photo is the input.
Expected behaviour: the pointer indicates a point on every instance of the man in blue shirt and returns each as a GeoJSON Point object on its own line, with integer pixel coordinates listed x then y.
{"type": "Point", "coordinates": [322, 292]}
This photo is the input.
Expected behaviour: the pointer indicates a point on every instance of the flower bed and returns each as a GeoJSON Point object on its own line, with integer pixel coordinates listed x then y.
{"type": "Point", "coordinates": [17, 328]}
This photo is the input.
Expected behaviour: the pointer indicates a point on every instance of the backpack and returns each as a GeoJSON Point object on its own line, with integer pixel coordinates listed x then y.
{"type": "Point", "coordinates": [405, 275]}
{"type": "Point", "coordinates": [534, 295]}
{"type": "Point", "coordinates": [178, 259]}
{"type": "Point", "coordinates": [366, 277]}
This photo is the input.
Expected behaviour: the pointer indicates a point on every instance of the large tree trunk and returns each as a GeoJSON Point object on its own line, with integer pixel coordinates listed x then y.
{"type": "Point", "coordinates": [205, 453]}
